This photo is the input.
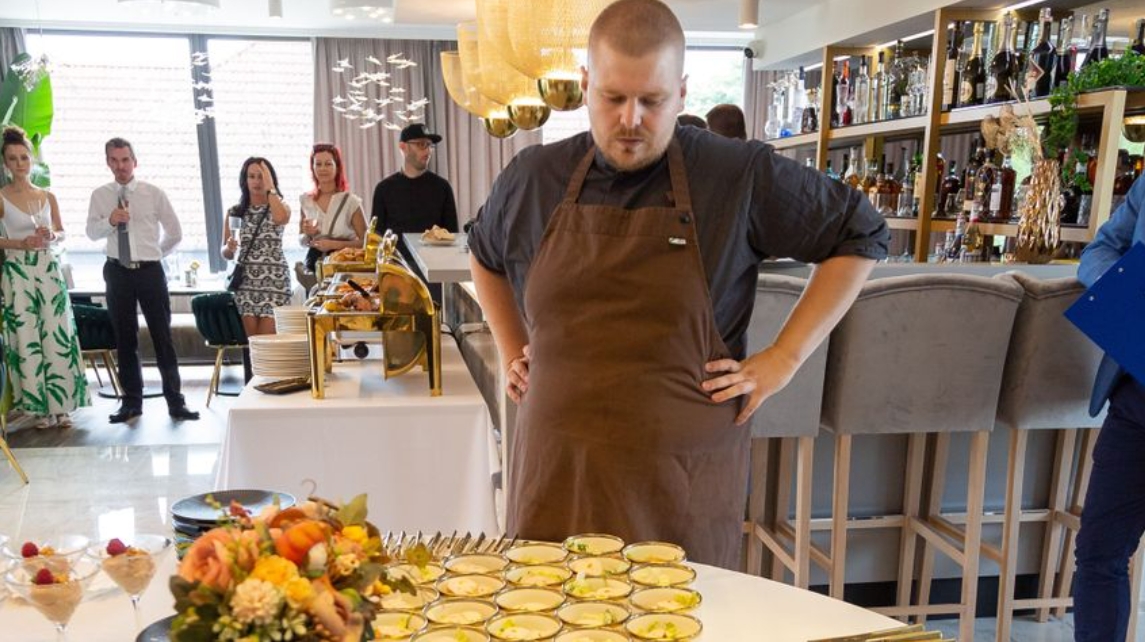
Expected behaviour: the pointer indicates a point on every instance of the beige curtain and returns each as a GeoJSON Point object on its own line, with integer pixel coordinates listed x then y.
{"type": "Point", "coordinates": [11, 45]}
{"type": "Point", "coordinates": [467, 157]}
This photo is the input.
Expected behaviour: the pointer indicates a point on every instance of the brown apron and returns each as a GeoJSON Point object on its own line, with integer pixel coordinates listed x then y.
{"type": "Point", "coordinates": [615, 434]}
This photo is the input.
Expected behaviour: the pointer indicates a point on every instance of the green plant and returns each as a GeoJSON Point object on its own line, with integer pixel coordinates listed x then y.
{"type": "Point", "coordinates": [1128, 70]}
{"type": "Point", "coordinates": [26, 101]}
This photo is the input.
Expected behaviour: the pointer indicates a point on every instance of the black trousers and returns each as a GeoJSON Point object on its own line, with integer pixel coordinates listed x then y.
{"type": "Point", "coordinates": [146, 287]}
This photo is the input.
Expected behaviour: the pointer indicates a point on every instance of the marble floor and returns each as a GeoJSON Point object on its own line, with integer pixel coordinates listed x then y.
{"type": "Point", "coordinates": [103, 480]}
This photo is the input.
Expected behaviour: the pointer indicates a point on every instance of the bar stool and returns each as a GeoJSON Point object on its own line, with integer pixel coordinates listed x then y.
{"type": "Point", "coordinates": [1049, 373]}
{"type": "Point", "coordinates": [790, 418]}
{"type": "Point", "coordinates": [918, 355]}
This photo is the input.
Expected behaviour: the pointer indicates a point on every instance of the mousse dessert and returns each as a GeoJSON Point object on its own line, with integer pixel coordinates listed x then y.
{"type": "Point", "coordinates": [56, 596]}
{"type": "Point", "coordinates": [129, 567]}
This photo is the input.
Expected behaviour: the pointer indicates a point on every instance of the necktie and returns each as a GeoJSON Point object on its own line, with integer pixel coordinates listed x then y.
{"type": "Point", "coordinates": [124, 241]}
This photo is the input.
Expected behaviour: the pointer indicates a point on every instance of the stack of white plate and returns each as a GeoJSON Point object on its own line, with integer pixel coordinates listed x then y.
{"type": "Point", "coordinates": [290, 319]}
{"type": "Point", "coordinates": [280, 355]}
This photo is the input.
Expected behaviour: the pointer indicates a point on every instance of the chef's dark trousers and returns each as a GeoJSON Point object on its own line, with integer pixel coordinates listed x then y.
{"type": "Point", "coordinates": [145, 286]}
{"type": "Point", "coordinates": [1112, 520]}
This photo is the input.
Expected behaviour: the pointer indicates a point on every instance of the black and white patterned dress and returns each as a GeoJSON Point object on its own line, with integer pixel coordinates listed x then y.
{"type": "Point", "coordinates": [267, 283]}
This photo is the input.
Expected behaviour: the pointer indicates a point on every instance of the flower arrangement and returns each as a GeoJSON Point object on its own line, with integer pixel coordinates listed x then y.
{"type": "Point", "coordinates": [311, 573]}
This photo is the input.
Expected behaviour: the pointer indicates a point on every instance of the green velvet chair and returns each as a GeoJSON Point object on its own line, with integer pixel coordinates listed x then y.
{"type": "Point", "coordinates": [218, 320]}
{"type": "Point", "coordinates": [97, 341]}
{"type": "Point", "coordinates": [4, 420]}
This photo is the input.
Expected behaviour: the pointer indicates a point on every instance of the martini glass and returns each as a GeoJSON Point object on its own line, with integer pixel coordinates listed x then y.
{"type": "Point", "coordinates": [55, 553]}
{"type": "Point", "coordinates": [57, 595]}
{"type": "Point", "coordinates": [131, 563]}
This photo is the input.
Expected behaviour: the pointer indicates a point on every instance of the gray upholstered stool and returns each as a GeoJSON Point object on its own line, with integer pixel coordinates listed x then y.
{"type": "Point", "coordinates": [1049, 373]}
{"type": "Point", "coordinates": [789, 418]}
{"type": "Point", "coordinates": [919, 355]}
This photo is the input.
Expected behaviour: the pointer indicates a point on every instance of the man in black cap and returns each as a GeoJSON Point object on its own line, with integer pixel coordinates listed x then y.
{"type": "Point", "coordinates": [415, 199]}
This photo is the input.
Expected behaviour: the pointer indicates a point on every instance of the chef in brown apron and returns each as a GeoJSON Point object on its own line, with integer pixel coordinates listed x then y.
{"type": "Point", "coordinates": [633, 409]}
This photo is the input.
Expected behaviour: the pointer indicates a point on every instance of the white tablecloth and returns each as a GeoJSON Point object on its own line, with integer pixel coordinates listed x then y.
{"type": "Point", "coordinates": [736, 608]}
{"type": "Point", "coordinates": [441, 263]}
{"type": "Point", "coordinates": [426, 462]}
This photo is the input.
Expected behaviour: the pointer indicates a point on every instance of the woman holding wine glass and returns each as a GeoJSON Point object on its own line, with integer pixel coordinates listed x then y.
{"type": "Point", "coordinates": [332, 216]}
{"type": "Point", "coordinates": [252, 233]}
{"type": "Point", "coordinates": [40, 343]}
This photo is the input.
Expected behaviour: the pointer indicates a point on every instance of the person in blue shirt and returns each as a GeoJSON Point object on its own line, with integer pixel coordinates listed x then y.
{"type": "Point", "coordinates": [1113, 518]}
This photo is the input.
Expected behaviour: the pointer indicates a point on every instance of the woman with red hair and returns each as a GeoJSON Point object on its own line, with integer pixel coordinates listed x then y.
{"type": "Point", "coordinates": [332, 216]}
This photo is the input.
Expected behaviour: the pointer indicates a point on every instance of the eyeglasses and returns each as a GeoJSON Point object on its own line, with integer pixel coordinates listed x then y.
{"type": "Point", "coordinates": [421, 144]}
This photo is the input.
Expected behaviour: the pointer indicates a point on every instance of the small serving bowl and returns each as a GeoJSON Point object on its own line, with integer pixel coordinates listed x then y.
{"type": "Point", "coordinates": [666, 600]}
{"type": "Point", "coordinates": [597, 588]}
{"type": "Point", "coordinates": [661, 575]}
{"type": "Point", "coordinates": [394, 626]}
{"type": "Point", "coordinates": [664, 626]}
{"type": "Point", "coordinates": [538, 575]}
{"type": "Point", "coordinates": [592, 635]}
{"type": "Point", "coordinates": [476, 564]}
{"type": "Point", "coordinates": [654, 553]}
{"type": "Point", "coordinates": [420, 575]}
{"type": "Point", "coordinates": [593, 614]}
{"type": "Point", "coordinates": [536, 553]}
{"type": "Point", "coordinates": [523, 626]}
{"type": "Point", "coordinates": [451, 634]}
{"type": "Point", "coordinates": [594, 544]}
{"type": "Point", "coordinates": [400, 601]}
{"type": "Point", "coordinates": [600, 566]}
{"type": "Point", "coordinates": [528, 599]}
{"type": "Point", "coordinates": [470, 585]}
{"type": "Point", "coordinates": [460, 611]}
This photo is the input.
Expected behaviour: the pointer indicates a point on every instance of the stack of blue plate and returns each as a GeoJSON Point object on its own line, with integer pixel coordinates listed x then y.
{"type": "Point", "coordinates": [193, 516]}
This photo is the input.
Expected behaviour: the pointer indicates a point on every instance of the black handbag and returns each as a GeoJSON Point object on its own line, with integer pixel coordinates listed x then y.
{"type": "Point", "coordinates": [313, 255]}
{"type": "Point", "coordinates": [238, 275]}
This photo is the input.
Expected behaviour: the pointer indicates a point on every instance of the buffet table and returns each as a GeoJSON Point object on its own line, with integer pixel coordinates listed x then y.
{"type": "Point", "coordinates": [736, 608]}
{"type": "Point", "coordinates": [441, 263]}
{"type": "Point", "coordinates": [426, 462]}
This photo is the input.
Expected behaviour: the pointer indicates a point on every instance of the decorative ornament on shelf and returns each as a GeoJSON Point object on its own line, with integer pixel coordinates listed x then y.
{"type": "Point", "coordinates": [311, 572]}
{"type": "Point", "coordinates": [371, 99]}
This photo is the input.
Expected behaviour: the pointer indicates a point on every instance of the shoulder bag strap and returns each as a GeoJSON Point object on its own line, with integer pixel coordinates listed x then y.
{"type": "Point", "coordinates": [254, 237]}
{"type": "Point", "coordinates": [338, 213]}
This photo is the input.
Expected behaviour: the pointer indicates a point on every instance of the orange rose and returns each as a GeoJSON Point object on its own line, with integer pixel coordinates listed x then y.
{"type": "Point", "coordinates": [295, 541]}
{"type": "Point", "coordinates": [209, 559]}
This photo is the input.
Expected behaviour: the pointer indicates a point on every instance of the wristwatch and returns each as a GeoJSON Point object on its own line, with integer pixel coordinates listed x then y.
{"type": "Point", "coordinates": [270, 192]}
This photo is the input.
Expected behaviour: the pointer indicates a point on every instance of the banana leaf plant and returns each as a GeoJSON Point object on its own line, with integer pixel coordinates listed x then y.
{"type": "Point", "coordinates": [26, 101]}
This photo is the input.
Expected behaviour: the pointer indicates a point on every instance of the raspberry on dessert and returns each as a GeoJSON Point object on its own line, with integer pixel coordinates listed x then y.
{"type": "Point", "coordinates": [44, 577]}
{"type": "Point", "coordinates": [29, 549]}
{"type": "Point", "coordinates": [116, 547]}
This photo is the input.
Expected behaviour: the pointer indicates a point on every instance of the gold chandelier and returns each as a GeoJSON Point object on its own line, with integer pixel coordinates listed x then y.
{"type": "Point", "coordinates": [494, 116]}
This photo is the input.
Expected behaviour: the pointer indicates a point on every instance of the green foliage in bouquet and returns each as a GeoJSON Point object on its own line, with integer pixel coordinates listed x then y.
{"type": "Point", "coordinates": [1127, 71]}
{"type": "Point", "coordinates": [26, 101]}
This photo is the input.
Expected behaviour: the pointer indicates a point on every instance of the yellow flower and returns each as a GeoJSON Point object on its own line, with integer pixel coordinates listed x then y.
{"type": "Point", "coordinates": [195, 265]}
{"type": "Point", "coordinates": [355, 534]}
{"type": "Point", "coordinates": [379, 588]}
{"type": "Point", "coordinates": [299, 593]}
{"type": "Point", "coordinates": [274, 569]}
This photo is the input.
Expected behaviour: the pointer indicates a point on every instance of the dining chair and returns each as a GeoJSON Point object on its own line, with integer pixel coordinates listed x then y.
{"type": "Point", "coordinates": [97, 341]}
{"type": "Point", "coordinates": [217, 318]}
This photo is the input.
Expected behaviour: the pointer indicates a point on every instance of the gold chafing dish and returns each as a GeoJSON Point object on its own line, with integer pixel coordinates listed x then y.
{"type": "Point", "coordinates": [407, 322]}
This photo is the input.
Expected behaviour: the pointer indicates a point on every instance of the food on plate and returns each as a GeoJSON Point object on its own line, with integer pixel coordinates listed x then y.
{"type": "Point", "coordinates": [536, 554]}
{"type": "Point", "coordinates": [600, 566]}
{"type": "Point", "coordinates": [662, 575]}
{"type": "Point", "coordinates": [593, 544]}
{"type": "Point", "coordinates": [397, 626]}
{"type": "Point", "coordinates": [524, 626]}
{"type": "Point", "coordinates": [597, 588]}
{"type": "Point", "coordinates": [653, 553]}
{"type": "Point", "coordinates": [666, 600]}
{"type": "Point", "coordinates": [353, 302]}
{"type": "Point", "coordinates": [437, 234]}
{"type": "Point", "coordinates": [347, 255]}
{"type": "Point", "coordinates": [369, 285]}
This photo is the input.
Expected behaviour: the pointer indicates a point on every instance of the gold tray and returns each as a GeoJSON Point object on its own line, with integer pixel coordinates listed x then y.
{"type": "Point", "coordinates": [340, 278]}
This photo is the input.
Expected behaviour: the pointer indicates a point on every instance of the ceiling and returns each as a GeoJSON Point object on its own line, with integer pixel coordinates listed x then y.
{"type": "Point", "coordinates": [704, 20]}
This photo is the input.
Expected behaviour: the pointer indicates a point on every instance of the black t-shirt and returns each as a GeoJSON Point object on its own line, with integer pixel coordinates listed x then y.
{"type": "Point", "coordinates": [413, 205]}
{"type": "Point", "coordinates": [750, 203]}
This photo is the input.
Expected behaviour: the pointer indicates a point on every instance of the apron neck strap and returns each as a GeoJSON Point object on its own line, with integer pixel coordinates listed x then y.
{"type": "Point", "coordinates": [680, 193]}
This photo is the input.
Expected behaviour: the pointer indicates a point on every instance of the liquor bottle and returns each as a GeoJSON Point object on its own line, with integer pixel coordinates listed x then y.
{"type": "Point", "coordinates": [830, 172]}
{"type": "Point", "coordinates": [954, 250]}
{"type": "Point", "coordinates": [870, 180]}
{"type": "Point", "coordinates": [1002, 192]}
{"type": "Point", "coordinates": [950, 74]}
{"type": "Point", "coordinates": [905, 207]}
{"type": "Point", "coordinates": [918, 185]}
{"type": "Point", "coordinates": [835, 114]}
{"type": "Point", "coordinates": [897, 85]}
{"type": "Point", "coordinates": [889, 192]}
{"type": "Point", "coordinates": [972, 241]}
{"type": "Point", "coordinates": [810, 123]}
{"type": "Point", "coordinates": [854, 176]}
{"type": "Point", "coordinates": [1003, 79]}
{"type": "Point", "coordinates": [939, 176]}
{"type": "Point", "coordinates": [1098, 50]}
{"type": "Point", "coordinates": [1138, 45]}
{"type": "Point", "coordinates": [1040, 65]}
{"type": "Point", "coordinates": [984, 185]}
{"type": "Point", "coordinates": [846, 167]}
{"type": "Point", "coordinates": [1071, 194]}
{"type": "Point", "coordinates": [950, 186]}
{"type": "Point", "coordinates": [1124, 179]}
{"type": "Point", "coordinates": [1063, 64]}
{"type": "Point", "coordinates": [973, 90]}
{"type": "Point", "coordinates": [1079, 43]}
{"type": "Point", "coordinates": [862, 93]}
{"type": "Point", "coordinates": [971, 172]}
{"type": "Point", "coordinates": [878, 106]}
{"type": "Point", "coordinates": [843, 97]}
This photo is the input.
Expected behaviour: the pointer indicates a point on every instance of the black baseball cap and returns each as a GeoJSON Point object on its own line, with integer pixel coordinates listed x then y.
{"type": "Point", "coordinates": [416, 131]}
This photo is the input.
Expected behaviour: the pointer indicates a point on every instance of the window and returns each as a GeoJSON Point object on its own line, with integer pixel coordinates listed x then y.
{"type": "Point", "coordinates": [714, 76]}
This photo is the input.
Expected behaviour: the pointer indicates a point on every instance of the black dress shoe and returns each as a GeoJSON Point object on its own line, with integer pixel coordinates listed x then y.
{"type": "Point", "coordinates": [124, 414]}
{"type": "Point", "coordinates": [183, 412]}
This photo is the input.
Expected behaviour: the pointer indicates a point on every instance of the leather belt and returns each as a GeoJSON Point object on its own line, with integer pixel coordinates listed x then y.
{"type": "Point", "coordinates": [131, 265]}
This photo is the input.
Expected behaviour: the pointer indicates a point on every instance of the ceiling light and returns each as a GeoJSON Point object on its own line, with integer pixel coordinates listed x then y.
{"type": "Point", "coordinates": [748, 14]}
{"type": "Point", "coordinates": [274, 8]}
{"type": "Point", "coordinates": [367, 9]}
{"type": "Point", "coordinates": [1022, 5]}
{"type": "Point", "coordinates": [921, 34]}
{"type": "Point", "coordinates": [179, 7]}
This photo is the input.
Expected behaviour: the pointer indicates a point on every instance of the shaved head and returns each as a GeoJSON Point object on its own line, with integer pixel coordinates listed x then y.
{"type": "Point", "coordinates": [636, 28]}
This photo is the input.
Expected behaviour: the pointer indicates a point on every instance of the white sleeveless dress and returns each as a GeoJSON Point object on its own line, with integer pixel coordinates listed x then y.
{"type": "Point", "coordinates": [40, 343]}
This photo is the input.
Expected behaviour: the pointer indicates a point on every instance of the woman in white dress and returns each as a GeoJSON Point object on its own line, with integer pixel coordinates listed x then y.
{"type": "Point", "coordinates": [40, 344]}
{"type": "Point", "coordinates": [332, 215]}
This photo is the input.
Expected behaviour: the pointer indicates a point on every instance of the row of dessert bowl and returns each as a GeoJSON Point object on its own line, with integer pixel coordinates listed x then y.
{"type": "Point", "coordinates": [590, 588]}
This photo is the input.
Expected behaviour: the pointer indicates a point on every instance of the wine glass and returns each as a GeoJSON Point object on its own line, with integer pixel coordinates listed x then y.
{"type": "Point", "coordinates": [54, 594]}
{"type": "Point", "coordinates": [54, 553]}
{"type": "Point", "coordinates": [131, 563]}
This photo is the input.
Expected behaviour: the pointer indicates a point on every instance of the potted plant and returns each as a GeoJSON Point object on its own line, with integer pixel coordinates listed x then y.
{"type": "Point", "coordinates": [26, 101]}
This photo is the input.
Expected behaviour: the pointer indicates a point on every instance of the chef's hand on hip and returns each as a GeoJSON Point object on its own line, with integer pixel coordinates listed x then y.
{"type": "Point", "coordinates": [519, 376]}
{"type": "Point", "coordinates": [758, 377]}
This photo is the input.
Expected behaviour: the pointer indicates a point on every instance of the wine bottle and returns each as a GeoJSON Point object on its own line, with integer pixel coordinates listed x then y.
{"type": "Point", "coordinates": [950, 75]}
{"type": "Point", "coordinates": [1063, 64]}
{"type": "Point", "coordinates": [1098, 50]}
{"type": "Point", "coordinates": [973, 90]}
{"type": "Point", "coordinates": [1002, 81]}
{"type": "Point", "coordinates": [1040, 65]}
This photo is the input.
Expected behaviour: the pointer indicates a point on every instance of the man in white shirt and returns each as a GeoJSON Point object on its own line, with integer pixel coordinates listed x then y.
{"type": "Point", "coordinates": [130, 214]}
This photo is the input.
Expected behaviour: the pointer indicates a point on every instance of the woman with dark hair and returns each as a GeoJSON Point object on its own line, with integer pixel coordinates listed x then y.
{"type": "Point", "coordinates": [332, 216]}
{"type": "Point", "coordinates": [263, 213]}
{"type": "Point", "coordinates": [40, 344]}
